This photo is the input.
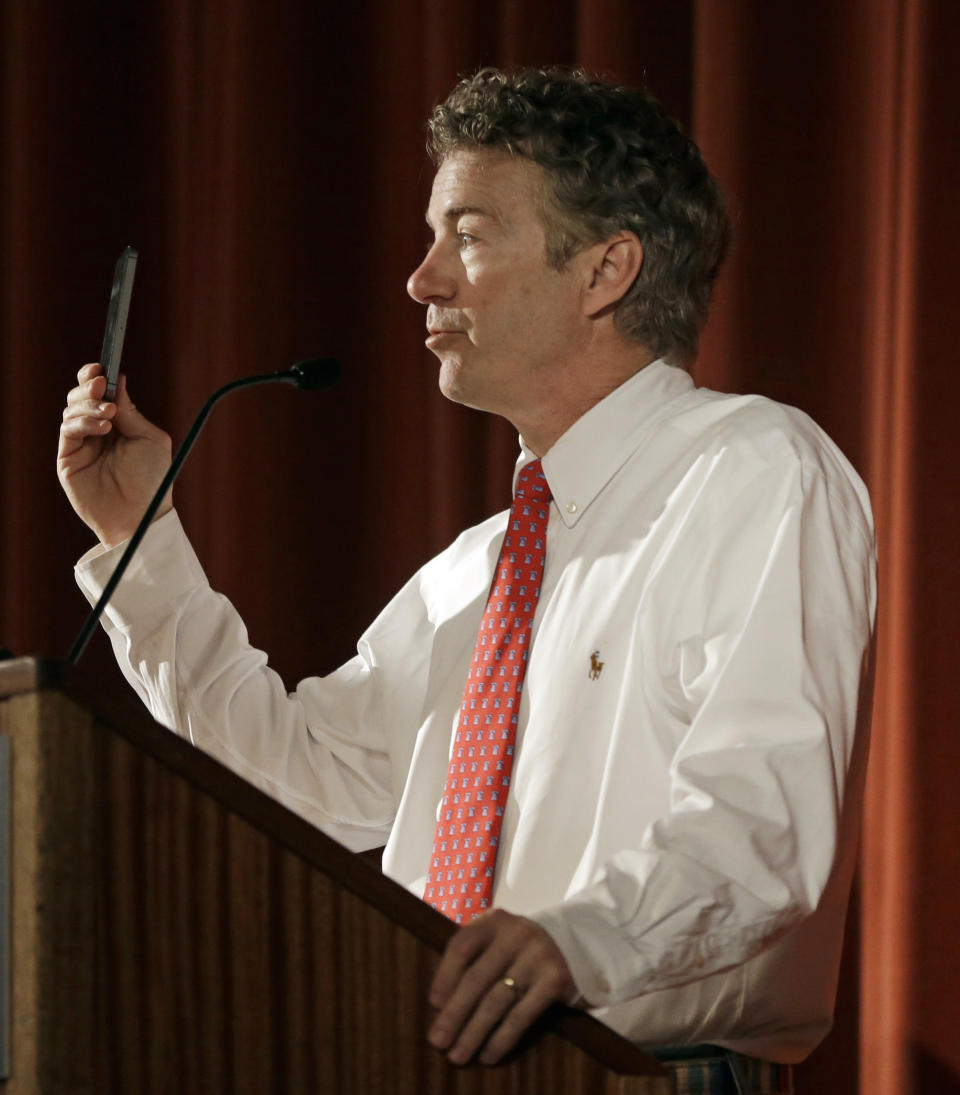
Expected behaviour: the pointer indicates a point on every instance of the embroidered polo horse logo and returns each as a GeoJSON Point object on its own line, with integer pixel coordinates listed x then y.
{"type": "Point", "coordinates": [595, 665]}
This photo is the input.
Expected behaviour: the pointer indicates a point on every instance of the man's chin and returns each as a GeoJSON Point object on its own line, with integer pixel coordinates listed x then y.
{"type": "Point", "coordinates": [451, 380]}
{"type": "Point", "coordinates": [459, 385]}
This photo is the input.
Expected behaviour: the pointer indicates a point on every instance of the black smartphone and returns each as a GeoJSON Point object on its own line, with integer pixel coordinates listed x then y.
{"type": "Point", "coordinates": [117, 312]}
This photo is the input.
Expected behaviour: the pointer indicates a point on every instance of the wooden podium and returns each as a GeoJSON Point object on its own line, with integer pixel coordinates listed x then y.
{"type": "Point", "coordinates": [174, 930]}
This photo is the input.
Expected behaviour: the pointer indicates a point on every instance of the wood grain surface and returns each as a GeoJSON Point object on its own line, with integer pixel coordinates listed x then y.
{"type": "Point", "coordinates": [174, 930]}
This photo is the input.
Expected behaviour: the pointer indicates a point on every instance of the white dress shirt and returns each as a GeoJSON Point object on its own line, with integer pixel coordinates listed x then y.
{"type": "Point", "coordinates": [682, 819]}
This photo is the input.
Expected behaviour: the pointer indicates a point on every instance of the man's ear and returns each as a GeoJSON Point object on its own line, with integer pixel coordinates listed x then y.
{"type": "Point", "coordinates": [613, 265]}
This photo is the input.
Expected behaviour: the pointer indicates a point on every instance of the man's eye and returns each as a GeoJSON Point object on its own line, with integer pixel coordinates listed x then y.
{"type": "Point", "coordinates": [465, 239]}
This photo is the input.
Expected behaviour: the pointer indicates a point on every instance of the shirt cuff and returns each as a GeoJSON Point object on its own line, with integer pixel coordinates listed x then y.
{"type": "Point", "coordinates": [162, 570]}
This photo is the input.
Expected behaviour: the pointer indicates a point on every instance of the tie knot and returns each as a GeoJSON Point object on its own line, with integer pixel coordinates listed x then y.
{"type": "Point", "coordinates": [532, 485]}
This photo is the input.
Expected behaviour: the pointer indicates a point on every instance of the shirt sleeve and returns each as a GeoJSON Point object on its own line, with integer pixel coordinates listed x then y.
{"type": "Point", "coordinates": [758, 642]}
{"type": "Point", "coordinates": [322, 750]}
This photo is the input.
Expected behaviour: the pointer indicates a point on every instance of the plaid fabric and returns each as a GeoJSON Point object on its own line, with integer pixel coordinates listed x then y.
{"type": "Point", "coordinates": [709, 1070]}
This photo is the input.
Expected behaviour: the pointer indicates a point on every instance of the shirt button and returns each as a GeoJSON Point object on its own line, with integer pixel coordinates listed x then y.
{"type": "Point", "coordinates": [603, 985]}
{"type": "Point", "coordinates": [571, 507]}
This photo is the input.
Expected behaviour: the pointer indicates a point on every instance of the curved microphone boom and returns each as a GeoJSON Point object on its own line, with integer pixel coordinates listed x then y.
{"type": "Point", "coordinates": [310, 375]}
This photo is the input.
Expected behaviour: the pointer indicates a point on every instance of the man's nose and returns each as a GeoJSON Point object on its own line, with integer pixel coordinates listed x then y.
{"type": "Point", "coordinates": [431, 281]}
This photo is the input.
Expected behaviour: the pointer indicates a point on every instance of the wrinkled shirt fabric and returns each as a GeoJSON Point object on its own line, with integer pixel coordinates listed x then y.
{"type": "Point", "coordinates": [684, 804]}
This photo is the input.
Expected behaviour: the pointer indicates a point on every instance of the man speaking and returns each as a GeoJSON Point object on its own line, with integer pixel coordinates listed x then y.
{"type": "Point", "coordinates": [618, 732]}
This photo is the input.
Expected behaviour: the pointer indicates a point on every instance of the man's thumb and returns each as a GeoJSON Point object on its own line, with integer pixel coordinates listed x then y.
{"type": "Point", "coordinates": [128, 420]}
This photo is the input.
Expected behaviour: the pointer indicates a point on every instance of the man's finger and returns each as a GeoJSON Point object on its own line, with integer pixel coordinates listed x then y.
{"type": "Point", "coordinates": [75, 431]}
{"type": "Point", "coordinates": [90, 370]}
{"type": "Point", "coordinates": [460, 951]}
{"type": "Point", "coordinates": [85, 426]}
{"type": "Point", "coordinates": [473, 981]}
{"type": "Point", "coordinates": [67, 447]}
{"type": "Point", "coordinates": [494, 942]}
{"type": "Point", "coordinates": [497, 1004]}
{"type": "Point", "coordinates": [497, 976]}
{"type": "Point", "coordinates": [89, 389]}
{"type": "Point", "coordinates": [532, 1002]}
{"type": "Point", "coordinates": [540, 977]}
{"type": "Point", "coordinates": [129, 421]}
{"type": "Point", "coordinates": [89, 408]}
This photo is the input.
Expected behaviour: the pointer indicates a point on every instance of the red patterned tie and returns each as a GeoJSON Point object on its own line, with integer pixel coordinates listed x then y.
{"type": "Point", "coordinates": [460, 882]}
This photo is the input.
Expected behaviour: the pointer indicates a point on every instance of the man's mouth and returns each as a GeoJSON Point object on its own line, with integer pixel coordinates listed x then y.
{"type": "Point", "coordinates": [436, 335]}
{"type": "Point", "coordinates": [442, 324]}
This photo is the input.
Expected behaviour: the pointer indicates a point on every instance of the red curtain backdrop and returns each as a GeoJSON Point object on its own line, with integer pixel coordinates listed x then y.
{"type": "Point", "coordinates": [267, 161]}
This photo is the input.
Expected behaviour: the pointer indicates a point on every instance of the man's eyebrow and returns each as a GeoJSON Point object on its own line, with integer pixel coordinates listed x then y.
{"type": "Point", "coordinates": [456, 211]}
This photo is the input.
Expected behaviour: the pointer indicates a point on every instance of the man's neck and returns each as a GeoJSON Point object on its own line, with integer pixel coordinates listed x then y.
{"type": "Point", "coordinates": [553, 417]}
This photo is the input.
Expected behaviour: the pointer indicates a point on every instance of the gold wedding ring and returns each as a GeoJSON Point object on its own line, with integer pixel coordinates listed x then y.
{"type": "Point", "coordinates": [512, 986]}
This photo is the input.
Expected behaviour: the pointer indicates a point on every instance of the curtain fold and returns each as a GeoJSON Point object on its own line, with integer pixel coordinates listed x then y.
{"type": "Point", "coordinates": [890, 886]}
{"type": "Point", "coordinates": [269, 165]}
{"type": "Point", "coordinates": [836, 150]}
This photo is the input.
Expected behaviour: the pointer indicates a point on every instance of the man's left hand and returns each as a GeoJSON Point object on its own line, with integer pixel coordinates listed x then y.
{"type": "Point", "coordinates": [497, 975]}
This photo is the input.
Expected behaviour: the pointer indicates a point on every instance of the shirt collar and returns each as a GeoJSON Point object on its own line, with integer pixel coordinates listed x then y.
{"type": "Point", "coordinates": [599, 443]}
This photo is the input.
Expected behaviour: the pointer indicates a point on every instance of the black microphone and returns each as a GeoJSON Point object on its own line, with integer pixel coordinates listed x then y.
{"type": "Point", "coordinates": [311, 375]}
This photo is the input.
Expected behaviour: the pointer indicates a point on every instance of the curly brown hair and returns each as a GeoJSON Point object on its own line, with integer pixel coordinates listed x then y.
{"type": "Point", "coordinates": [615, 161]}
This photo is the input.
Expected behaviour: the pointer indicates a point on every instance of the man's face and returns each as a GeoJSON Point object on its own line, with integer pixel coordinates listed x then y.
{"type": "Point", "coordinates": [501, 321]}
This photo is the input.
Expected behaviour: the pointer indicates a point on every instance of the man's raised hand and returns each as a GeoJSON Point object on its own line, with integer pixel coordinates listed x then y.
{"type": "Point", "coordinates": [111, 459]}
